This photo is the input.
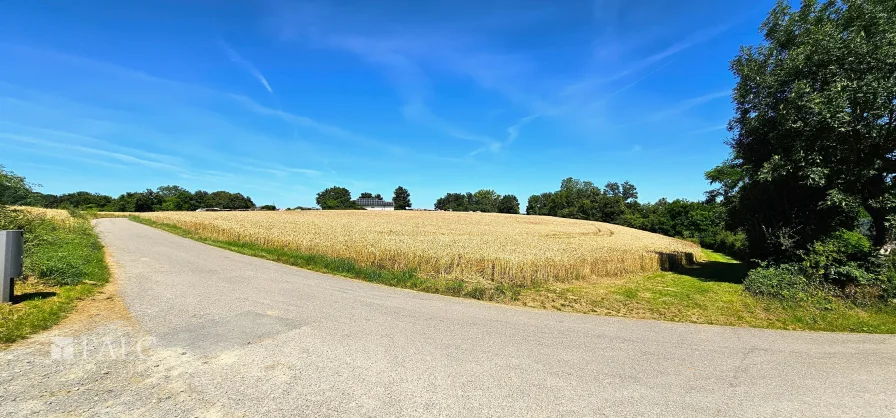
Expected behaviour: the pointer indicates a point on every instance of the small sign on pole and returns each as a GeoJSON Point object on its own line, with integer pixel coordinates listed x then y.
{"type": "Point", "coordinates": [10, 262]}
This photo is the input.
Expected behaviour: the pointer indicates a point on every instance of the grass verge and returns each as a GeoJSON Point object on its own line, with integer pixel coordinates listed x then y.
{"type": "Point", "coordinates": [711, 293]}
{"type": "Point", "coordinates": [407, 279]}
{"type": "Point", "coordinates": [64, 263]}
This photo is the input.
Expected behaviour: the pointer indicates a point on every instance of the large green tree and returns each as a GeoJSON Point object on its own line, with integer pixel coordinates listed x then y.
{"type": "Point", "coordinates": [485, 200]}
{"type": "Point", "coordinates": [538, 204]}
{"type": "Point", "coordinates": [454, 202]}
{"type": "Point", "coordinates": [814, 132]}
{"type": "Point", "coordinates": [335, 198]}
{"type": "Point", "coordinates": [14, 189]}
{"type": "Point", "coordinates": [401, 198]}
{"type": "Point", "coordinates": [508, 204]}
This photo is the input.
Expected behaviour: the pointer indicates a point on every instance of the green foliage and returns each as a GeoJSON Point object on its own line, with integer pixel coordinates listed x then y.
{"type": "Point", "coordinates": [401, 198]}
{"type": "Point", "coordinates": [508, 204]}
{"type": "Point", "coordinates": [15, 190]}
{"type": "Point", "coordinates": [365, 195]}
{"type": "Point", "coordinates": [335, 198]}
{"type": "Point", "coordinates": [57, 253]}
{"type": "Point", "coordinates": [840, 259]}
{"type": "Point", "coordinates": [842, 265]}
{"type": "Point", "coordinates": [538, 204]}
{"type": "Point", "coordinates": [704, 223]}
{"type": "Point", "coordinates": [886, 269]}
{"type": "Point", "coordinates": [814, 139]}
{"type": "Point", "coordinates": [485, 200]}
{"type": "Point", "coordinates": [784, 281]}
{"type": "Point", "coordinates": [726, 242]}
{"type": "Point", "coordinates": [66, 259]}
{"type": "Point", "coordinates": [78, 200]}
{"type": "Point", "coordinates": [267, 207]}
{"type": "Point", "coordinates": [226, 200]}
{"type": "Point", "coordinates": [456, 202]}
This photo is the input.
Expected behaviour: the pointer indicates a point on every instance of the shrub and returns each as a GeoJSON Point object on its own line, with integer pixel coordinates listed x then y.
{"type": "Point", "coordinates": [842, 264]}
{"type": "Point", "coordinates": [886, 277]}
{"type": "Point", "coordinates": [726, 242]}
{"type": "Point", "coordinates": [59, 253]}
{"type": "Point", "coordinates": [784, 281]}
{"type": "Point", "coordinates": [843, 259]}
{"type": "Point", "coordinates": [64, 254]}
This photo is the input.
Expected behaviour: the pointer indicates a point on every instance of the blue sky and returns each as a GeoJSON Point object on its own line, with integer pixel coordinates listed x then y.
{"type": "Point", "coordinates": [279, 100]}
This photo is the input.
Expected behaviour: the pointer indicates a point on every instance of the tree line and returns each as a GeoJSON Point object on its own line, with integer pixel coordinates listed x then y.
{"type": "Point", "coordinates": [340, 198]}
{"type": "Point", "coordinates": [702, 222]}
{"type": "Point", "coordinates": [485, 200]}
{"type": "Point", "coordinates": [15, 190]}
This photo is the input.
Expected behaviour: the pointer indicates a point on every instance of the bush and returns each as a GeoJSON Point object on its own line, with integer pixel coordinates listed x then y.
{"type": "Point", "coordinates": [845, 260]}
{"type": "Point", "coordinates": [843, 264]}
{"type": "Point", "coordinates": [726, 242]}
{"type": "Point", "coordinates": [57, 253]}
{"type": "Point", "coordinates": [886, 277]}
{"type": "Point", "coordinates": [842, 248]}
{"type": "Point", "coordinates": [785, 281]}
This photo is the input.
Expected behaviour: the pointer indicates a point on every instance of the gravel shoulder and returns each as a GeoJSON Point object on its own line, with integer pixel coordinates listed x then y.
{"type": "Point", "coordinates": [205, 332]}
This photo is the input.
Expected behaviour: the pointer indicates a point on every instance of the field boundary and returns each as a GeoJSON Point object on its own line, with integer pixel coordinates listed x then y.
{"type": "Point", "coordinates": [709, 293]}
{"type": "Point", "coordinates": [405, 279]}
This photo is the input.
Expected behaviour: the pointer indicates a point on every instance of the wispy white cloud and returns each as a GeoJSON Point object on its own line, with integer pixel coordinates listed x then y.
{"type": "Point", "coordinates": [331, 131]}
{"type": "Point", "coordinates": [420, 113]}
{"type": "Point", "coordinates": [194, 90]}
{"type": "Point", "coordinates": [692, 40]}
{"type": "Point", "coordinates": [513, 132]}
{"type": "Point", "coordinates": [708, 129]}
{"type": "Point", "coordinates": [588, 84]}
{"type": "Point", "coordinates": [125, 158]}
{"type": "Point", "coordinates": [238, 59]}
{"type": "Point", "coordinates": [69, 137]}
{"type": "Point", "coordinates": [410, 56]}
{"type": "Point", "coordinates": [399, 61]}
{"type": "Point", "coordinates": [60, 154]}
{"type": "Point", "coordinates": [690, 103]}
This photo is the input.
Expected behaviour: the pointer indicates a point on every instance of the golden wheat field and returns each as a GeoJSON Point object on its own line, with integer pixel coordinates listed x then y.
{"type": "Point", "coordinates": [59, 215]}
{"type": "Point", "coordinates": [497, 248]}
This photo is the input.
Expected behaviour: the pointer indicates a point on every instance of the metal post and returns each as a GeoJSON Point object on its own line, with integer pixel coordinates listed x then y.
{"type": "Point", "coordinates": [10, 262]}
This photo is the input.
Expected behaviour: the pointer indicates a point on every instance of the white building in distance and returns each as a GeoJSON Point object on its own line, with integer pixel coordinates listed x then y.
{"type": "Point", "coordinates": [374, 204]}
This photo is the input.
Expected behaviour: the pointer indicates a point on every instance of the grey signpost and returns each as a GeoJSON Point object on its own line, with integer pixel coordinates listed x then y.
{"type": "Point", "coordinates": [10, 262]}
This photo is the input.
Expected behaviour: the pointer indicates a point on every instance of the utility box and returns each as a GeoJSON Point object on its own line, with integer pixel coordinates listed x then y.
{"type": "Point", "coordinates": [11, 244]}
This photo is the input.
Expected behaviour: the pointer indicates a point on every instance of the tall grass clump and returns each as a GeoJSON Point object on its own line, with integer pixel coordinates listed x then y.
{"type": "Point", "coordinates": [63, 263]}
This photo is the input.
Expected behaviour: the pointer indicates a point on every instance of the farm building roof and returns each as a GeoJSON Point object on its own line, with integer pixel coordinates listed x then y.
{"type": "Point", "coordinates": [365, 201]}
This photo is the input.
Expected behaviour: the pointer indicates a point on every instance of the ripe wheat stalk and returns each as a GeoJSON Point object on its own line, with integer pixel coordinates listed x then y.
{"type": "Point", "coordinates": [509, 249]}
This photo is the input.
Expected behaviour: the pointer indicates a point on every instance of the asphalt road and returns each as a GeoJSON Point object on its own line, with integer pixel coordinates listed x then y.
{"type": "Point", "coordinates": [243, 336]}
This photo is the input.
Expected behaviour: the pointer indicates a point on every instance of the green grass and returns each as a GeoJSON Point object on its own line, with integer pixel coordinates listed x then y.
{"type": "Point", "coordinates": [711, 293]}
{"type": "Point", "coordinates": [407, 279]}
{"type": "Point", "coordinates": [64, 263]}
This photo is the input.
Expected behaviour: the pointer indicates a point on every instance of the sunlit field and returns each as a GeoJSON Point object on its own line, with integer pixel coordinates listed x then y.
{"type": "Point", "coordinates": [59, 215]}
{"type": "Point", "coordinates": [509, 249]}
